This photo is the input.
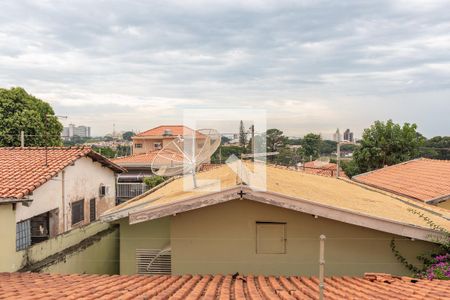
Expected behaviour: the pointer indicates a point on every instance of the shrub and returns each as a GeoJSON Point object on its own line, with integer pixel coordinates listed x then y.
{"type": "Point", "coordinates": [153, 181]}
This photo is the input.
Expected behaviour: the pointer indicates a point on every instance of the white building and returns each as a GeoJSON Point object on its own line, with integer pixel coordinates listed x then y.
{"type": "Point", "coordinates": [55, 190]}
{"type": "Point", "coordinates": [72, 130]}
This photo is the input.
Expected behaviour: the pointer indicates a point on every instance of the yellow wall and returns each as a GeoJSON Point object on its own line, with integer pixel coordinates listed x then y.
{"type": "Point", "coordinates": [100, 258]}
{"type": "Point", "coordinates": [10, 260]}
{"type": "Point", "coordinates": [149, 235]}
{"type": "Point", "coordinates": [222, 239]}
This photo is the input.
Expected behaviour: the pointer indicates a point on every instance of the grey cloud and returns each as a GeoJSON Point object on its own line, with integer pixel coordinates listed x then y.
{"type": "Point", "coordinates": [337, 54]}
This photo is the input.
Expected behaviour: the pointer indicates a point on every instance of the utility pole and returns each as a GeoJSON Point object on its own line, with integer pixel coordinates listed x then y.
{"type": "Point", "coordinates": [321, 266]}
{"type": "Point", "coordinates": [22, 139]}
{"type": "Point", "coordinates": [338, 153]}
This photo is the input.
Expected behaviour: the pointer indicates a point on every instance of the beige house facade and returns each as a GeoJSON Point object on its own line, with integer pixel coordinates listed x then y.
{"type": "Point", "coordinates": [49, 194]}
{"type": "Point", "coordinates": [272, 232]}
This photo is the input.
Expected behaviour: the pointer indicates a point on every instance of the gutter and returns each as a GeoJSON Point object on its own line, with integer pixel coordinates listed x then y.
{"type": "Point", "coordinates": [15, 200]}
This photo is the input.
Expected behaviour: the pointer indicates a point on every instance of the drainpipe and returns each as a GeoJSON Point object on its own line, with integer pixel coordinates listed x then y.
{"type": "Point", "coordinates": [321, 266]}
{"type": "Point", "coordinates": [63, 173]}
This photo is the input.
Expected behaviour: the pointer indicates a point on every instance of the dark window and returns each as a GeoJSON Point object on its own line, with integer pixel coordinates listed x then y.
{"type": "Point", "coordinates": [23, 235]}
{"type": "Point", "coordinates": [137, 145]}
{"type": "Point", "coordinates": [77, 212]}
{"type": "Point", "coordinates": [104, 190]}
{"type": "Point", "coordinates": [40, 228]}
{"type": "Point", "coordinates": [92, 210]}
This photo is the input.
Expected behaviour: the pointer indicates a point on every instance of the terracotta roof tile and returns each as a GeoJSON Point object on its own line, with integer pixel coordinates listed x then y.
{"type": "Point", "coordinates": [327, 169]}
{"type": "Point", "coordinates": [421, 179]}
{"type": "Point", "coordinates": [371, 286]}
{"type": "Point", "coordinates": [22, 170]}
{"type": "Point", "coordinates": [174, 129]}
{"type": "Point", "coordinates": [147, 158]}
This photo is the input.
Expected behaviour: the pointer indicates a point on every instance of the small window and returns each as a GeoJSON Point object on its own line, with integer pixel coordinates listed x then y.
{"type": "Point", "coordinates": [270, 238]}
{"type": "Point", "coordinates": [157, 146]}
{"type": "Point", "coordinates": [103, 191]}
{"type": "Point", "coordinates": [92, 210]}
{"type": "Point", "coordinates": [137, 145]}
{"type": "Point", "coordinates": [77, 212]}
{"type": "Point", "coordinates": [23, 235]}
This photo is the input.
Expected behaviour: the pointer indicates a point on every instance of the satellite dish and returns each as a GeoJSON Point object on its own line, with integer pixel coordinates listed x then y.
{"type": "Point", "coordinates": [184, 154]}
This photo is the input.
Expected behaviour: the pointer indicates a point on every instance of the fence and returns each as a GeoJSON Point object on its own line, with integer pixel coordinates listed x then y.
{"type": "Point", "coordinates": [130, 190]}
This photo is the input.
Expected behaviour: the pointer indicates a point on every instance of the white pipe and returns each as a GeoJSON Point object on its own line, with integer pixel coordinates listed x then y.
{"type": "Point", "coordinates": [321, 266]}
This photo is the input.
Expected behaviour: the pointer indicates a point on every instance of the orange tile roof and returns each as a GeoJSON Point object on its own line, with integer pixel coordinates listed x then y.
{"type": "Point", "coordinates": [371, 286]}
{"type": "Point", "coordinates": [328, 169]}
{"type": "Point", "coordinates": [175, 129]}
{"type": "Point", "coordinates": [421, 179]}
{"type": "Point", "coordinates": [22, 170]}
{"type": "Point", "coordinates": [146, 158]}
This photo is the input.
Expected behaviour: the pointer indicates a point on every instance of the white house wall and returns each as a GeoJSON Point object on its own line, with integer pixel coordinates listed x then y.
{"type": "Point", "coordinates": [82, 181]}
{"type": "Point", "coordinates": [45, 198]}
{"type": "Point", "coordinates": [79, 181]}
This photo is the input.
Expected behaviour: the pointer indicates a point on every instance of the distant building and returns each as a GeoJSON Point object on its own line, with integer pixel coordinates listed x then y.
{"type": "Point", "coordinates": [72, 130]}
{"type": "Point", "coordinates": [336, 137]}
{"type": "Point", "coordinates": [348, 136]}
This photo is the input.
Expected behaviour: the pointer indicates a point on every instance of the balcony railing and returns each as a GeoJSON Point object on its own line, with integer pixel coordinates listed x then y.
{"type": "Point", "coordinates": [130, 189]}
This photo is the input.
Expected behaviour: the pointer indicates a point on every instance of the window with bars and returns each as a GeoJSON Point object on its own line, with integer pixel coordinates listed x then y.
{"type": "Point", "coordinates": [77, 212]}
{"type": "Point", "coordinates": [23, 235]}
{"type": "Point", "coordinates": [92, 210]}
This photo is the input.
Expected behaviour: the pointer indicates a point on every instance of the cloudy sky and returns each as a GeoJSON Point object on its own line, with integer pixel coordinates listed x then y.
{"type": "Point", "coordinates": [313, 65]}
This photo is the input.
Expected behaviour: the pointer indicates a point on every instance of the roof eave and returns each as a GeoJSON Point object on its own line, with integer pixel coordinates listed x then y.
{"type": "Point", "coordinates": [8, 200]}
{"type": "Point", "coordinates": [292, 203]}
{"type": "Point", "coordinates": [439, 199]}
{"type": "Point", "coordinates": [106, 162]}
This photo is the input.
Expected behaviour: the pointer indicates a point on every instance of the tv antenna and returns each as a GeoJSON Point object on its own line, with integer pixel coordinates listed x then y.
{"type": "Point", "coordinates": [186, 153]}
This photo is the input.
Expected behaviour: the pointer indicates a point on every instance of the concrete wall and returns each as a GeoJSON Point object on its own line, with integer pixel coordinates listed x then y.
{"type": "Point", "coordinates": [100, 258]}
{"type": "Point", "coordinates": [92, 249]}
{"type": "Point", "coordinates": [10, 260]}
{"type": "Point", "coordinates": [222, 239]}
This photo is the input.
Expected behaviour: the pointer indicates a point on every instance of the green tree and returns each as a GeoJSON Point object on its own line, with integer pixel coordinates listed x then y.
{"type": "Point", "coordinates": [288, 157]}
{"type": "Point", "coordinates": [127, 135]}
{"type": "Point", "coordinates": [311, 144]}
{"type": "Point", "coordinates": [224, 140]}
{"type": "Point", "coordinates": [20, 111]}
{"type": "Point", "coordinates": [437, 147]}
{"type": "Point", "coordinates": [224, 152]}
{"type": "Point", "coordinates": [387, 144]}
{"type": "Point", "coordinates": [242, 135]}
{"type": "Point", "coordinates": [153, 181]}
{"type": "Point", "coordinates": [275, 140]}
{"type": "Point", "coordinates": [350, 167]}
{"type": "Point", "coordinates": [327, 147]}
{"type": "Point", "coordinates": [105, 151]}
